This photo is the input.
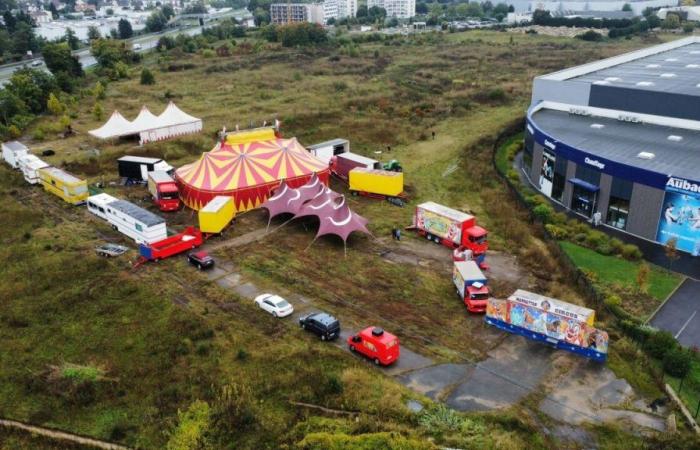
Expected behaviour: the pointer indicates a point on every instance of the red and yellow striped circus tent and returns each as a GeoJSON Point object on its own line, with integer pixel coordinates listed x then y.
{"type": "Point", "coordinates": [247, 170]}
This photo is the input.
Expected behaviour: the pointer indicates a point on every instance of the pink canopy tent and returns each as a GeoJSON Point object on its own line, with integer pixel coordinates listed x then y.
{"type": "Point", "coordinates": [337, 218]}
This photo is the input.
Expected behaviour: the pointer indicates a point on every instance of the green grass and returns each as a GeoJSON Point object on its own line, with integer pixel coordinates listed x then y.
{"type": "Point", "coordinates": [503, 164]}
{"type": "Point", "coordinates": [611, 269]}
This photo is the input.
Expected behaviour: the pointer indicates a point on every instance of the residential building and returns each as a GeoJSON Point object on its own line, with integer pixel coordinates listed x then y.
{"type": "Point", "coordinates": [281, 13]}
{"type": "Point", "coordinates": [401, 9]}
{"type": "Point", "coordinates": [339, 9]}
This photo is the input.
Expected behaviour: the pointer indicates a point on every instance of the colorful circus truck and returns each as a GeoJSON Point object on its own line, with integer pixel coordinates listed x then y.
{"type": "Point", "coordinates": [452, 228]}
{"type": "Point", "coordinates": [554, 322]}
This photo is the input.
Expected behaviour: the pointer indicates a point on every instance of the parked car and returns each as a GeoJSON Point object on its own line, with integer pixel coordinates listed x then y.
{"type": "Point", "coordinates": [375, 343]}
{"type": "Point", "coordinates": [322, 324]}
{"type": "Point", "coordinates": [274, 304]}
{"type": "Point", "coordinates": [136, 46]}
{"type": "Point", "coordinates": [109, 250]}
{"type": "Point", "coordinates": [37, 63]}
{"type": "Point", "coordinates": [201, 260]}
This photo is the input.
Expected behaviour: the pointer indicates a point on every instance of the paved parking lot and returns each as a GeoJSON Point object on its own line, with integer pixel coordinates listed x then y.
{"type": "Point", "coordinates": [680, 315]}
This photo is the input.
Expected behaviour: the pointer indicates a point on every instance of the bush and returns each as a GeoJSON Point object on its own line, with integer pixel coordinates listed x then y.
{"type": "Point", "coordinates": [604, 248]}
{"type": "Point", "coordinates": [688, 27]}
{"type": "Point", "coordinates": [207, 53]}
{"type": "Point", "coordinates": [594, 238]}
{"type": "Point", "coordinates": [557, 232]}
{"type": "Point", "coordinates": [38, 135]}
{"type": "Point", "coordinates": [147, 77]}
{"type": "Point", "coordinates": [580, 237]}
{"type": "Point", "coordinates": [590, 36]}
{"type": "Point", "coordinates": [659, 343]}
{"type": "Point", "coordinates": [631, 252]}
{"type": "Point", "coordinates": [677, 362]}
{"type": "Point", "coordinates": [513, 176]}
{"type": "Point", "coordinates": [639, 333]}
{"type": "Point", "coordinates": [617, 245]}
{"type": "Point", "coordinates": [543, 213]}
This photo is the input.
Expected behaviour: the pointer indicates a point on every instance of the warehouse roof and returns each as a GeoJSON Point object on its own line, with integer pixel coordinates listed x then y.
{"type": "Point", "coordinates": [146, 217]}
{"type": "Point", "coordinates": [675, 150]}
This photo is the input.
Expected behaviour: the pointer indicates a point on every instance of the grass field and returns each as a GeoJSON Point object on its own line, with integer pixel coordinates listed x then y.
{"type": "Point", "coordinates": [159, 341]}
{"type": "Point", "coordinates": [610, 270]}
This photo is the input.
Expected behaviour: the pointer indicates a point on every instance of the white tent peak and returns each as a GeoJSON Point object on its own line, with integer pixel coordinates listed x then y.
{"type": "Point", "coordinates": [117, 125]}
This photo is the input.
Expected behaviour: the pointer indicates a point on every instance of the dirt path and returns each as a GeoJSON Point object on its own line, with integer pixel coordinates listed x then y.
{"type": "Point", "coordinates": [61, 435]}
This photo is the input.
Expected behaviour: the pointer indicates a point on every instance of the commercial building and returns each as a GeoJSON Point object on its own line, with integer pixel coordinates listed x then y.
{"type": "Point", "coordinates": [569, 7]}
{"type": "Point", "coordinates": [281, 13]}
{"type": "Point", "coordinates": [401, 9]}
{"type": "Point", "coordinates": [618, 140]}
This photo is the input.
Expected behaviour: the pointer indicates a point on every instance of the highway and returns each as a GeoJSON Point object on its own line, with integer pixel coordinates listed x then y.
{"type": "Point", "coordinates": [147, 42]}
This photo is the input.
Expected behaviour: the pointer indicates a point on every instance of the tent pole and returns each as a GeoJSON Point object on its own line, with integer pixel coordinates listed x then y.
{"type": "Point", "coordinates": [312, 243]}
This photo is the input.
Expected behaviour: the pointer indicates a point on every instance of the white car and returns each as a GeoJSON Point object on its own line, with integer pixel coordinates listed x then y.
{"type": "Point", "coordinates": [274, 304]}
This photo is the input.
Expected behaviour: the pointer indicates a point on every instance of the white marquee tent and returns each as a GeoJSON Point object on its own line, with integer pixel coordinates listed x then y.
{"type": "Point", "coordinates": [170, 123]}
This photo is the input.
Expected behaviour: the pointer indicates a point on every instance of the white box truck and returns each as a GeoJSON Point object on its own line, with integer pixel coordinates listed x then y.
{"type": "Point", "coordinates": [97, 204]}
{"type": "Point", "coordinates": [141, 225]}
{"type": "Point", "coordinates": [326, 150]}
{"type": "Point", "coordinates": [11, 151]}
{"type": "Point", "coordinates": [29, 165]}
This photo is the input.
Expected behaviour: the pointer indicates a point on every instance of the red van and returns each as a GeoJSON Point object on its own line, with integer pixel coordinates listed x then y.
{"type": "Point", "coordinates": [373, 342]}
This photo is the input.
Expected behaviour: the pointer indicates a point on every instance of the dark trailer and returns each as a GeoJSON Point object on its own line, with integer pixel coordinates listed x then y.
{"type": "Point", "coordinates": [138, 167]}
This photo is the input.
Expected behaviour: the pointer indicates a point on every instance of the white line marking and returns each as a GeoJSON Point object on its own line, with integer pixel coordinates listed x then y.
{"type": "Point", "coordinates": [686, 324]}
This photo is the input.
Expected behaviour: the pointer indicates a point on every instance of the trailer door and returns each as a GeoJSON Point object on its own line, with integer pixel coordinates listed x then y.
{"type": "Point", "coordinates": [144, 172]}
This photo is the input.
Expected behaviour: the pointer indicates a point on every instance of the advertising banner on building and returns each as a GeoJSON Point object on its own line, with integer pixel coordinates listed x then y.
{"type": "Point", "coordinates": [680, 216]}
{"type": "Point", "coordinates": [547, 173]}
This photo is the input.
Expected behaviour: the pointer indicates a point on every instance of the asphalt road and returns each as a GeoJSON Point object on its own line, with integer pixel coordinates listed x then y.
{"type": "Point", "coordinates": [147, 43]}
{"type": "Point", "coordinates": [681, 314]}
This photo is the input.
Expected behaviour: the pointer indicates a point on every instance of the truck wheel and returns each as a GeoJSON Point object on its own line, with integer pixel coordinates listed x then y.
{"type": "Point", "coordinates": [199, 267]}
{"type": "Point", "coordinates": [352, 348]}
{"type": "Point", "coordinates": [323, 337]}
{"type": "Point", "coordinates": [429, 236]}
{"type": "Point", "coordinates": [376, 361]}
{"type": "Point", "coordinates": [303, 326]}
{"type": "Point", "coordinates": [354, 193]}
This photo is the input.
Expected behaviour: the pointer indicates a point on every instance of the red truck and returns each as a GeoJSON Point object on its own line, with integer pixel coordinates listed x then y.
{"type": "Point", "coordinates": [164, 190]}
{"type": "Point", "coordinates": [452, 228]}
{"type": "Point", "coordinates": [376, 344]}
{"type": "Point", "coordinates": [471, 286]}
{"type": "Point", "coordinates": [172, 245]}
{"type": "Point", "coordinates": [342, 163]}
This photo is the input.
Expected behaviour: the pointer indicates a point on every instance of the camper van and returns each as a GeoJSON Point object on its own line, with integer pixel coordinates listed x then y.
{"type": "Point", "coordinates": [58, 182]}
{"type": "Point", "coordinates": [29, 165]}
{"type": "Point", "coordinates": [141, 225]}
{"type": "Point", "coordinates": [136, 168]}
{"type": "Point", "coordinates": [97, 204]}
{"type": "Point", "coordinates": [11, 151]}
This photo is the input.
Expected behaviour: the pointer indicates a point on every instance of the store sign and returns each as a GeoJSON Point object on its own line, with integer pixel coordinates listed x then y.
{"type": "Point", "coordinates": [679, 184]}
{"type": "Point", "coordinates": [594, 163]}
{"type": "Point", "coordinates": [549, 144]}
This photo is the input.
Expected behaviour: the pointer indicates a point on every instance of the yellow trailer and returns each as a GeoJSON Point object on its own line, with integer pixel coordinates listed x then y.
{"type": "Point", "coordinates": [218, 213]}
{"type": "Point", "coordinates": [63, 184]}
{"type": "Point", "coordinates": [366, 181]}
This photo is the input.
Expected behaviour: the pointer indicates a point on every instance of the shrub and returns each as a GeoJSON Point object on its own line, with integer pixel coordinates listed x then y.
{"type": "Point", "coordinates": [580, 237]}
{"type": "Point", "coordinates": [688, 27]}
{"type": "Point", "coordinates": [591, 36]}
{"type": "Point", "coordinates": [513, 176]}
{"type": "Point", "coordinates": [677, 362]}
{"type": "Point", "coordinates": [631, 252]}
{"type": "Point", "coordinates": [595, 238]}
{"type": "Point", "coordinates": [543, 213]}
{"type": "Point", "coordinates": [557, 232]}
{"type": "Point", "coordinates": [659, 343]}
{"type": "Point", "coordinates": [207, 53]}
{"type": "Point", "coordinates": [617, 245]}
{"type": "Point", "coordinates": [147, 77]}
{"type": "Point", "coordinates": [38, 135]}
{"type": "Point", "coordinates": [559, 218]}
{"type": "Point", "coordinates": [604, 248]}
{"type": "Point", "coordinates": [639, 333]}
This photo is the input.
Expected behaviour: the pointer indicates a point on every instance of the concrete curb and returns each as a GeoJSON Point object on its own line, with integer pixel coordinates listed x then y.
{"type": "Point", "coordinates": [658, 308]}
{"type": "Point", "coordinates": [684, 410]}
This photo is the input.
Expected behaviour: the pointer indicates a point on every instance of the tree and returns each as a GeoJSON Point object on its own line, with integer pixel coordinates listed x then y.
{"type": "Point", "coordinates": [677, 362]}
{"type": "Point", "coordinates": [125, 30]}
{"type": "Point", "coordinates": [362, 11]}
{"type": "Point", "coordinates": [688, 27]}
{"type": "Point", "coordinates": [643, 273]}
{"type": "Point", "coordinates": [591, 36]}
{"type": "Point", "coordinates": [475, 10]}
{"type": "Point", "coordinates": [147, 77]}
{"type": "Point", "coordinates": [53, 10]}
{"type": "Point", "coordinates": [72, 39]}
{"type": "Point", "coordinates": [376, 14]}
{"type": "Point", "coordinates": [500, 8]}
{"type": "Point", "coordinates": [11, 105]}
{"type": "Point", "coordinates": [671, 22]}
{"type": "Point", "coordinates": [627, 7]}
{"type": "Point", "coordinates": [671, 250]}
{"type": "Point", "coordinates": [168, 11]}
{"type": "Point", "coordinates": [54, 105]}
{"type": "Point", "coordinates": [301, 34]}
{"type": "Point", "coordinates": [93, 33]}
{"type": "Point", "coordinates": [33, 88]}
{"type": "Point", "coordinates": [109, 52]}
{"type": "Point", "coordinates": [97, 111]}
{"type": "Point", "coordinates": [156, 22]}
{"type": "Point", "coordinates": [393, 22]}
{"type": "Point", "coordinates": [59, 59]}
{"type": "Point", "coordinates": [421, 8]}
{"type": "Point", "coordinates": [511, 8]}
{"type": "Point", "coordinates": [110, 12]}
{"type": "Point", "coordinates": [99, 91]}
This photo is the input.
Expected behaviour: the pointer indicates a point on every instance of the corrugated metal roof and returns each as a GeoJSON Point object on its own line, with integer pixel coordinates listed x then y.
{"type": "Point", "coordinates": [623, 141]}
{"type": "Point", "coordinates": [15, 145]}
{"type": "Point", "coordinates": [146, 217]}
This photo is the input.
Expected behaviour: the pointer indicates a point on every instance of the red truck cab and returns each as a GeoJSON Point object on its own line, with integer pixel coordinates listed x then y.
{"type": "Point", "coordinates": [477, 238]}
{"type": "Point", "coordinates": [164, 191]}
{"type": "Point", "coordinates": [375, 343]}
{"type": "Point", "coordinates": [477, 297]}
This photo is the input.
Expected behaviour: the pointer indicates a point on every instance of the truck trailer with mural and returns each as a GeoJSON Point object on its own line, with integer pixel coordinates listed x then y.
{"type": "Point", "coordinates": [452, 228]}
{"type": "Point", "coordinates": [557, 323]}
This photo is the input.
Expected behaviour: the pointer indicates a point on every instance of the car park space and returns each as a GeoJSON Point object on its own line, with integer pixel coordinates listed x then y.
{"type": "Point", "coordinates": [679, 315]}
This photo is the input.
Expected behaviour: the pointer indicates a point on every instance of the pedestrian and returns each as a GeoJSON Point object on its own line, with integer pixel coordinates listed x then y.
{"type": "Point", "coordinates": [433, 135]}
{"type": "Point", "coordinates": [393, 233]}
{"type": "Point", "coordinates": [398, 234]}
{"type": "Point", "coordinates": [597, 218]}
{"type": "Point", "coordinates": [388, 148]}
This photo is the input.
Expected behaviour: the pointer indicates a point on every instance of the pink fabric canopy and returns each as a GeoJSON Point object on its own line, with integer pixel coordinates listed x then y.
{"type": "Point", "coordinates": [279, 203]}
{"type": "Point", "coordinates": [341, 221]}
